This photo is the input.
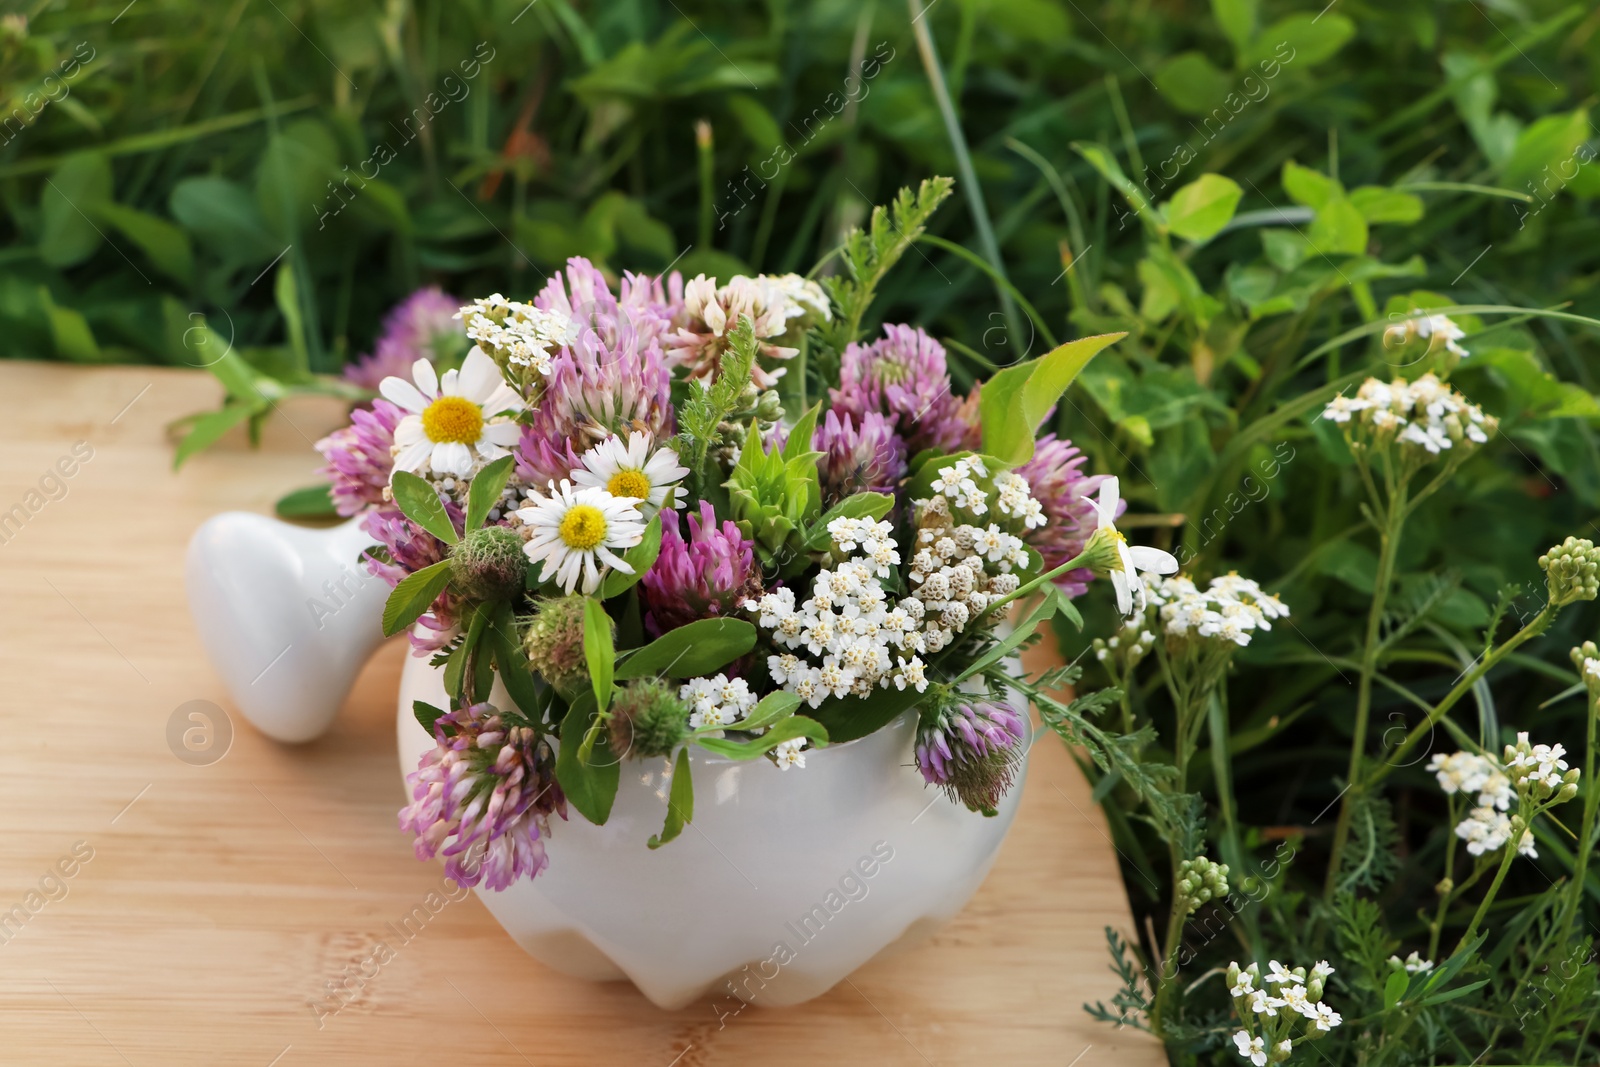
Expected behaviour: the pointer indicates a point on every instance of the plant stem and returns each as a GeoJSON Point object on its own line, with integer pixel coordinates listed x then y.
{"type": "Point", "coordinates": [1388, 548]}
{"type": "Point", "coordinates": [1591, 797]}
{"type": "Point", "coordinates": [958, 145]}
{"type": "Point", "coordinates": [1535, 626]}
{"type": "Point", "coordinates": [1488, 898]}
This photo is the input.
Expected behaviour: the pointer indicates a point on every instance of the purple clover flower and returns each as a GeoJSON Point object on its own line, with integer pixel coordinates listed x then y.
{"type": "Point", "coordinates": [482, 798]}
{"type": "Point", "coordinates": [860, 454]}
{"type": "Point", "coordinates": [903, 376]}
{"type": "Point", "coordinates": [613, 376]}
{"type": "Point", "coordinates": [972, 751]}
{"type": "Point", "coordinates": [710, 574]}
{"type": "Point", "coordinates": [358, 457]}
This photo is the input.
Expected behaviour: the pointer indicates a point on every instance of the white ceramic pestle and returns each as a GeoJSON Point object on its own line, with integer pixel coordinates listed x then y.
{"type": "Point", "coordinates": [288, 616]}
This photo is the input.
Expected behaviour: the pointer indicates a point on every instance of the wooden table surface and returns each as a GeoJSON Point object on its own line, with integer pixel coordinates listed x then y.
{"type": "Point", "coordinates": [173, 913]}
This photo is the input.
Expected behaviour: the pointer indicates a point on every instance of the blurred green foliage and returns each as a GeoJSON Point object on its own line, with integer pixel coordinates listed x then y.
{"type": "Point", "coordinates": [156, 159]}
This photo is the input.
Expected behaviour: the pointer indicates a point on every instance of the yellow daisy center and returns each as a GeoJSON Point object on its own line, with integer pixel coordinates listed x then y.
{"type": "Point", "coordinates": [629, 483]}
{"type": "Point", "coordinates": [583, 527]}
{"type": "Point", "coordinates": [453, 419]}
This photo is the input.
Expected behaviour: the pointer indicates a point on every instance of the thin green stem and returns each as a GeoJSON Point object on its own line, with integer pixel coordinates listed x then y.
{"type": "Point", "coordinates": [1488, 898]}
{"type": "Point", "coordinates": [1389, 546]}
{"type": "Point", "coordinates": [964, 169]}
{"type": "Point", "coordinates": [1535, 626]}
{"type": "Point", "coordinates": [1591, 798]}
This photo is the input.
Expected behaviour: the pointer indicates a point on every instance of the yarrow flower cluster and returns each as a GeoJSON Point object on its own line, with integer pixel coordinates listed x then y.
{"type": "Point", "coordinates": [1536, 777]}
{"type": "Point", "coordinates": [521, 334]}
{"type": "Point", "coordinates": [1230, 609]}
{"type": "Point", "coordinates": [1275, 1019]}
{"type": "Point", "coordinates": [1441, 331]}
{"type": "Point", "coordinates": [716, 702]}
{"type": "Point", "coordinates": [1469, 773]}
{"type": "Point", "coordinates": [1425, 415]}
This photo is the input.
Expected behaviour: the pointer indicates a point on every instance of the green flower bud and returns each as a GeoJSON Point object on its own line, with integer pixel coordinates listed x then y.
{"type": "Point", "coordinates": [488, 564]}
{"type": "Point", "coordinates": [648, 719]}
{"type": "Point", "coordinates": [1572, 571]}
{"type": "Point", "coordinates": [553, 641]}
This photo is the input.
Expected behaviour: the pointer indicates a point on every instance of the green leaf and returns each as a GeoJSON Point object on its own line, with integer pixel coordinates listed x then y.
{"type": "Point", "coordinates": [1192, 83]}
{"type": "Point", "coordinates": [598, 652]}
{"type": "Point", "coordinates": [484, 492]}
{"type": "Point", "coordinates": [858, 506]}
{"type": "Point", "coordinates": [1299, 40]}
{"type": "Point", "coordinates": [1200, 210]}
{"type": "Point", "coordinates": [426, 714]}
{"type": "Point", "coordinates": [312, 502]}
{"type": "Point", "coordinates": [420, 501]}
{"type": "Point", "coordinates": [1451, 994]}
{"type": "Point", "coordinates": [1015, 400]}
{"type": "Point", "coordinates": [512, 663]}
{"type": "Point", "coordinates": [773, 708]}
{"type": "Point", "coordinates": [641, 557]}
{"type": "Point", "coordinates": [165, 244]}
{"type": "Point", "coordinates": [680, 802]}
{"type": "Point", "coordinates": [69, 331]}
{"type": "Point", "coordinates": [690, 651]}
{"type": "Point", "coordinates": [805, 428]}
{"type": "Point", "coordinates": [223, 216]}
{"type": "Point", "coordinates": [286, 291]}
{"type": "Point", "coordinates": [414, 595]}
{"type": "Point", "coordinates": [1378, 204]}
{"type": "Point", "coordinates": [1548, 142]}
{"type": "Point", "coordinates": [208, 428]}
{"type": "Point", "coordinates": [847, 718]}
{"type": "Point", "coordinates": [1237, 19]}
{"type": "Point", "coordinates": [1104, 162]}
{"type": "Point", "coordinates": [1309, 187]}
{"type": "Point", "coordinates": [590, 787]}
{"type": "Point", "coordinates": [1395, 988]}
{"type": "Point", "coordinates": [67, 201]}
{"type": "Point", "coordinates": [1047, 607]}
{"type": "Point", "coordinates": [786, 730]}
{"type": "Point", "coordinates": [1338, 229]}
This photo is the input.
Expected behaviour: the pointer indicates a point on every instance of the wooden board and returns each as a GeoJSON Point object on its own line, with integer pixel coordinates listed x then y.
{"type": "Point", "coordinates": [209, 908]}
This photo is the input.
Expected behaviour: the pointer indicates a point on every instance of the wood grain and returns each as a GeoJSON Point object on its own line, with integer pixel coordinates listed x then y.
{"type": "Point", "coordinates": [218, 902]}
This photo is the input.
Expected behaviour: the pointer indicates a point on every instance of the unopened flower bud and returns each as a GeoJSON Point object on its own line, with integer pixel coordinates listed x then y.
{"type": "Point", "coordinates": [1572, 571]}
{"type": "Point", "coordinates": [488, 563]}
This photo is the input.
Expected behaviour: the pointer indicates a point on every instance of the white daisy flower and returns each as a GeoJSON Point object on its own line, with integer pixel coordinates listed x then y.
{"type": "Point", "coordinates": [1326, 1018]}
{"type": "Point", "coordinates": [448, 417]}
{"type": "Point", "coordinates": [633, 470]}
{"type": "Point", "coordinates": [1137, 560]}
{"type": "Point", "coordinates": [577, 532]}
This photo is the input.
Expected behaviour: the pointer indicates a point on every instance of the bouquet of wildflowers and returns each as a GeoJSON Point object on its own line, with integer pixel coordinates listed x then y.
{"type": "Point", "coordinates": [631, 504]}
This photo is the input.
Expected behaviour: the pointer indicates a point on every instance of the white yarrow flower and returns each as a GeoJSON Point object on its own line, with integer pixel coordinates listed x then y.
{"type": "Point", "coordinates": [1253, 1049]}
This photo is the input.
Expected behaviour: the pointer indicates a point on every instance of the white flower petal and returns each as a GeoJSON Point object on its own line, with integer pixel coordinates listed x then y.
{"type": "Point", "coordinates": [402, 393]}
{"type": "Point", "coordinates": [426, 377]}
